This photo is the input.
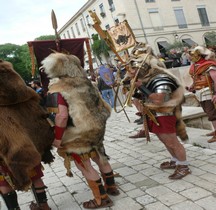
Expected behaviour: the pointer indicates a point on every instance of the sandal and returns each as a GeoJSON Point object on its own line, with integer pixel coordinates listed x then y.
{"type": "Point", "coordinates": [43, 206]}
{"type": "Point", "coordinates": [140, 134]}
{"type": "Point", "coordinates": [139, 114]}
{"type": "Point", "coordinates": [213, 139]}
{"type": "Point", "coordinates": [112, 190]}
{"type": "Point", "coordinates": [92, 204]}
{"type": "Point", "coordinates": [168, 165]}
{"type": "Point", "coordinates": [180, 172]}
{"type": "Point", "coordinates": [211, 134]}
{"type": "Point", "coordinates": [137, 120]}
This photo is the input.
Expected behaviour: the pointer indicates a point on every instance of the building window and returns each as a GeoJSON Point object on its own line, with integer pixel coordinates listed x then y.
{"type": "Point", "coordinates": [180, 18]}
{"type": "Point", "coordinates": [203, 16]}
{"type": "Point", "coordinates": [102, 11]}
{"type": "Point", "coordinates": [64, 36]}
{"type": "Point", "coordinates": [87, 19]}
{"type": "Point", "coordinates": [155, 19]}
{"type": "Point", "coordinates": [116, 21]}
{"type": "Point", "coordinates": [111, 5]}
{"type": "Point", "coordinates": [107, 26]}
{"type": "Point", "coordinates": [101, 6]}
{"type": "Point", "coordinates": [68, 34]}
{"type": "Point", "coordinates": [82, 24]}
{"type": "Point", "coordinates": [163, 48]}
{"type": "Point", "coordinates": [77, 28]}
{"type": "Point", "coordinates": [72, 32]}
{"type": "Point", "coordinates": [189, 42]}
{"type": "Point", "coordinates": [148, 1]}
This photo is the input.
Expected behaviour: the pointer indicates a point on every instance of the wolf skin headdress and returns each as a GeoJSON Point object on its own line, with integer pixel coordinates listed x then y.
{"type": "Point", "coordinates": [87, 109]}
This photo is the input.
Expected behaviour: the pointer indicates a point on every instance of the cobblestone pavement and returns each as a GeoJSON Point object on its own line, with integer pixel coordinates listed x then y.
{"type": "Point", "coordinates": [142, 183]}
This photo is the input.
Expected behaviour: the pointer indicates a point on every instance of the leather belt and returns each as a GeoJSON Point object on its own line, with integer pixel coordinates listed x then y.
{"type": "Point", "coordinates": [159, 114]}
{"type": "Point", "coordinates": [199, 87]}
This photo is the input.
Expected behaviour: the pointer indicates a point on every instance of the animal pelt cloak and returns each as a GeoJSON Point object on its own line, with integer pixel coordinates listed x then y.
{"type": "Point", "coordinates": [151, 68]}
{"type": "Point", "coordinates": [89, 112]}
{"type": "Point", "coordinates": [25, 134]}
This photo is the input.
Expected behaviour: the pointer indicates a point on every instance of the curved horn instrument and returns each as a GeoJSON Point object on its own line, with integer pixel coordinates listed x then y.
{"type": "Point", "coordinates": [128, 101]}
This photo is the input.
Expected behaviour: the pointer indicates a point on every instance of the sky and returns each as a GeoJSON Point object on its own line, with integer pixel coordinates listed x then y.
{"type": "Point", "coordinates": [25, 20]}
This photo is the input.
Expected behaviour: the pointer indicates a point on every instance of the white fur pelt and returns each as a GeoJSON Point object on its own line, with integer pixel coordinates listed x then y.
{"type": "Point", "coordinates": [89, 112]}
{"type": "Point", "coordinates": [208, 54]}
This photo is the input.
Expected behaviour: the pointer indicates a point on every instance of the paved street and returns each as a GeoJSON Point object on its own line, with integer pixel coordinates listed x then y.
{"type": "Point", "coordinates": [142, 183]}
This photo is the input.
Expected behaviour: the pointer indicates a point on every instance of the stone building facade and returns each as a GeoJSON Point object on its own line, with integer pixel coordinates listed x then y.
{"type": "Point", "coordinates": [156, 22]}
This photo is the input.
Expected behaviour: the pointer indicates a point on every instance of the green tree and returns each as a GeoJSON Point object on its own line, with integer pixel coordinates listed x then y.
{"type": "Point", "coordinates": [45, 37]}
{"type": "Point", "coordinates": [19, 56]}
{"type": "Point", "coordinates": [99, 47]}
{"type": "Point", "coordinates": [177, 45]}
{"type": "Point", "coordinates": [210, 38]}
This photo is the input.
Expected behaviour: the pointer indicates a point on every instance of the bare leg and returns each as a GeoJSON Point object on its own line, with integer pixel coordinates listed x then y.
{"type": "Point", "coordinates": [174, 147]}
{"type": "Point", "coordinates": [5, 189]}
{"type": "Point", "coordinates": [137, 104]}
{"type": "Point", "coordinates": [177, 151]}
{"type": "Point", "coordinates": [108, 176]}
{"type": "Point", "coordinates": [88, 171]}
{"type": "Point", "coordinates": [101, 199]}
{"type": "Point", "coordinates": [104, 166]}
{"type": "Point", "coordinates": [9, 196]}
{"type": "Point", "coordinates": [38, 189]}
{"type": "Point", "coordinates": [214, 124]}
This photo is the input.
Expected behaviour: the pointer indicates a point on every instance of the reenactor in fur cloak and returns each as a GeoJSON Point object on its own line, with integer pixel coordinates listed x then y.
{"type": "Point", "coordinates": [203, 73]}
{"type": "Point", "coordinates": [80, 116]}
{"type": "Point", "coordinates": [25, 139]}
{"type": "Point", "coordinates": [163, 96]}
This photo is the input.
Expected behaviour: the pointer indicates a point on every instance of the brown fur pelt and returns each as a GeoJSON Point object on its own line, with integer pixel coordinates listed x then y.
{"type": "Point", "coordinates": [140, 51]}
{"type": "Point", "coordinates": [150, 69]}
{"type": "Point", "coordinates": [25, 135]}
{"type": "Point", "coordinates": [86, 107]}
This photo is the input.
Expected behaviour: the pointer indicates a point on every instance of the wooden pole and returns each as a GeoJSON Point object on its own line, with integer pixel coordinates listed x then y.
{"type": "Point", "coordinates": [93, 77]}
{"type": "Point", "coordinates": [102, 34]}
{"type": "Point", "coordinates": [31, 50]}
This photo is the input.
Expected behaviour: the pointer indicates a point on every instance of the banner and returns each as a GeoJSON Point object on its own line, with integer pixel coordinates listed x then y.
{"type": "Point", "coordinates": [106, 74]}
{"type": "Point", "coordinates": [121, 36]}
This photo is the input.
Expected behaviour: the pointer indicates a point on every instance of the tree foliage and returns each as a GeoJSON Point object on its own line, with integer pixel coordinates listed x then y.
{"type": "Point", "coordinates": [45, 37]}
{"type": "Point", "coordinates": [210, 38]}
{"type": "Point", "coordinates": [99, 47]}
{"type": "Point", "coordinates": [177, 45]}
{"type": "Point", "coordinates": [19, 56]}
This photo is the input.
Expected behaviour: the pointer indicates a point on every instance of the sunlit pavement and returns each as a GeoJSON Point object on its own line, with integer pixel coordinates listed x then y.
{"type": "Point", "coordinates": [143, 185]}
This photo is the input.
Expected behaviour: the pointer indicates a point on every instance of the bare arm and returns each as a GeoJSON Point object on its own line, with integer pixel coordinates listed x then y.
{"type": "Point", "coordinates": [60, 124]}
{"type": "Point", "coordinates": [213, 76]}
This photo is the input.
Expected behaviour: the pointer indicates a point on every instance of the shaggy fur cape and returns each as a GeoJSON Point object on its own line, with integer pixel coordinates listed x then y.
{"type": "Point", "coordinates": [147, 72]}
{"type": "Point", "coordinates": [87, 109]}
{"type": "Point", "coordinates": [25, 134]}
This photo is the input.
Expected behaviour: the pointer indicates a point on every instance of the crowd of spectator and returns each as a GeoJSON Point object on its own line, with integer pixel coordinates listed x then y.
{"type": "Point", "coordinates": [176, 58]}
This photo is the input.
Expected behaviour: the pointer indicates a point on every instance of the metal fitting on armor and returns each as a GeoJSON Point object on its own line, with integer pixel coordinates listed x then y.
{"type": "Point", "coordinates": [195, 55]}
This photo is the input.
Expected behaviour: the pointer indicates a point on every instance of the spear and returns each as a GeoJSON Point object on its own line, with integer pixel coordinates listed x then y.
{"type": "Point", "coordinates": [55, 27]}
